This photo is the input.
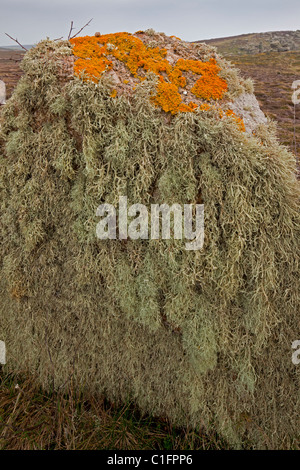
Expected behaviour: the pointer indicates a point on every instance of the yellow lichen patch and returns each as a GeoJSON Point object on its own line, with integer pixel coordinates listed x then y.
{"type": "Point", "coordinates": [95, 55]}
{"type": "Point", "coordinates": [113, 93]}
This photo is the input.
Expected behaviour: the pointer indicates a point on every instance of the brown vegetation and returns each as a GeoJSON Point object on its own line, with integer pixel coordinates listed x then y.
{"type": "Point", "coordinates": [10, 71]}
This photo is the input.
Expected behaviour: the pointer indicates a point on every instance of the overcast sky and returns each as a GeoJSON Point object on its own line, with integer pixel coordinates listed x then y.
{"type": "Point", "coordinates": [33, 20]}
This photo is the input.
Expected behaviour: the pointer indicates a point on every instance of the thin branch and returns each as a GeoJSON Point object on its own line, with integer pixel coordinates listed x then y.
{"type": "Point", "coordinates": [58, 39]}
{"type": "Point", "coordinates": [71, 29]}
{"type": "Point", "coordinates": [81, 29]}
{"type": "Point", "coordinates": [16, 42]}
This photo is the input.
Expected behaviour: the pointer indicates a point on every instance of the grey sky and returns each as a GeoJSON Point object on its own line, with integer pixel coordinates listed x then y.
{"type": "Point", "coordinates": [33, 20]}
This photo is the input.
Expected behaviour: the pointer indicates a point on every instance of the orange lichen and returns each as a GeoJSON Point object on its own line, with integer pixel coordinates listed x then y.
{"type": "Point", "coordinates": [237, 119]}
{"type": "Point", "coordinates": [188, 108]}
{"type": "Point", "coordinates": [95, 56]}
{"type": "Point", "coordinates": [113, 93]}
{"type": "Point", "coordinates": [209, 85]}
{"type": "Point", "coordinates": [205, 107]}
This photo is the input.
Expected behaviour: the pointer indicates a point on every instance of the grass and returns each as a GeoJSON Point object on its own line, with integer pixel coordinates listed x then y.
{"type": "Point", "coordinates": [31, 419]}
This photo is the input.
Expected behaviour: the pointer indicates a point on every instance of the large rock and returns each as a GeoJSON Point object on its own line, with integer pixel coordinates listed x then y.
{"type": "Point", "coordinates": [203, 337]}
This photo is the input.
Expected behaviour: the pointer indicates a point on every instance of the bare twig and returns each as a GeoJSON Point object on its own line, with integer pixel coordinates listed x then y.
{"type": "Point", "coordinates": [16, 42]}
{"type": "Point", "coordinates": [58, 39]}
{"type": "Point", "coordinates": [81, 29]}
{"type": "Point", "coordinates": [71, 29]}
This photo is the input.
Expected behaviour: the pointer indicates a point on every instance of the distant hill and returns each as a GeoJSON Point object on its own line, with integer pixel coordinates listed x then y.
{"type": "Point", "coordinates": [255, 43]}
{"type": "Point", "coordinates": [10, 71]}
